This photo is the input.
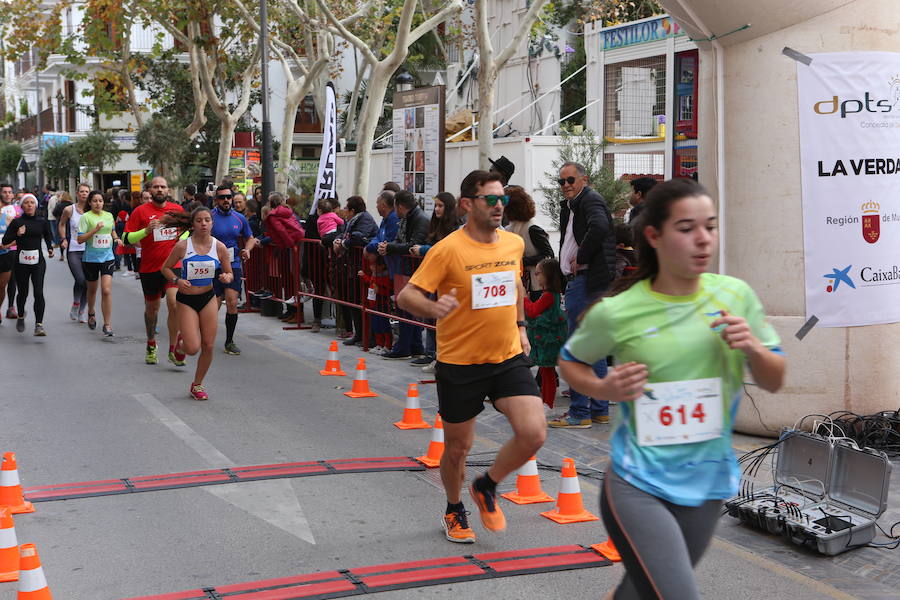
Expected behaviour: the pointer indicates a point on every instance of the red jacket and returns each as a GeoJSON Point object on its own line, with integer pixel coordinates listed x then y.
{"type": "Point", "coordinates": [283, 228]}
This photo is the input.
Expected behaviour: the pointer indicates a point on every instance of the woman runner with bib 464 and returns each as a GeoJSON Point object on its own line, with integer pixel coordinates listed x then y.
{"type": "Point", "coordinates": [681, 337]}
{"type": "Point", "coordinates": [204, 258]}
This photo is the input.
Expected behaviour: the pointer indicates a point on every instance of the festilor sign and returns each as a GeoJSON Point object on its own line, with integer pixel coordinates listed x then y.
{"type": "Point", "coordinates": [850, 165]}
{"type": "Point", "coordinates": [640, 32]}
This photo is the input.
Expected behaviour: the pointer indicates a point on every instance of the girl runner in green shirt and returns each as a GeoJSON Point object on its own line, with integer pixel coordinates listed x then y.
{"type": "Point", "coordinates": [681, 337]}
{"type": "Point", "coordinates": [96, 230]}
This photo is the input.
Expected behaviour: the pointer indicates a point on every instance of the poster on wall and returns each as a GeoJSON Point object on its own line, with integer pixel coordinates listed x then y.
{"type": "Point", "coordinates": [418, 148]}
{"type": "Point", "coordinates": [850, 169]}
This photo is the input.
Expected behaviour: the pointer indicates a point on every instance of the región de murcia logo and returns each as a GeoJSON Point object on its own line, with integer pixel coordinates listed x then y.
{"type": "Point", "coordinates": [871, 221]}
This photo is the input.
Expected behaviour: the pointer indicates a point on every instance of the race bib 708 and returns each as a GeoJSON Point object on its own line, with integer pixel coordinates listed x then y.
{"type": "Point", "coordinates": [494, 289]}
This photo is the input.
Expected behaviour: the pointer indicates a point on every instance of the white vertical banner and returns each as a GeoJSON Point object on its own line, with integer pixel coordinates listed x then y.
{"type": "Point", "coordinates": [326, 183]}
{"type": "Point", "coordinates": [849, 106]}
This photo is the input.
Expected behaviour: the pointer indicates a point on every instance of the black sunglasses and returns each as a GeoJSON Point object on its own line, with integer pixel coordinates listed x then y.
{"type": "Point", "coordinates": [493, 199]}
{"type": "Point", "coordinates": [563, 181]}
{"type": "Point", "coordinates": [228, 197]}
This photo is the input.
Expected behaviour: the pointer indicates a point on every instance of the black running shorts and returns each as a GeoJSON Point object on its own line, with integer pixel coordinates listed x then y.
{"type": "Point", "coordinates": [94, 270]}
{"type": "Point", "coordinates": [463, 389]}
{"type": "Point", "coordinates": [7, 261]}
{"type": "Point", "coordinates": [155, 285]}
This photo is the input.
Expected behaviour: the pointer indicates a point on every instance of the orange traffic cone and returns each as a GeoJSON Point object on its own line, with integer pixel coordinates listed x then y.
{"type": "Point", "coordinates": [608, 550]}
{"type": "Point", "coordinates": [9, 547]}
{"type": "Point", "coordinates": [528, 485]}
{"type": "Point", "coordinates": [436, 447]}
{"type": "Point", "coordinates": [361, 383]}
{"type": "Point", "coordinates": [10, 488]}
{"type": "Point", "coordinates": [412, 414]}
{"type": "Point", "coordinates": [32, 583]}
{"type": "Point", "coordinates": [569, 506]}
{"type": "Point", "coordinates": [332, 365]}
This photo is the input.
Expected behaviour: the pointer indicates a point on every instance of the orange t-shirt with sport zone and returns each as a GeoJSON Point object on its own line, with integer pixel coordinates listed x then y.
{"type": "Point", "coordinates": [485, 276]}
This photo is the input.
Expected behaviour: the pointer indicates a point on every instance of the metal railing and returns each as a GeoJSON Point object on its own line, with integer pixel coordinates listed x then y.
{"type": "Point", "coordinates": [311, 270]}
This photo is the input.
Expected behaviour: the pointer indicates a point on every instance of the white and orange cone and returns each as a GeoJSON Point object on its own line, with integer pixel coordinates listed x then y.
{"type": "Point", "coordinates": [10, 488]}
{"type": "Point", "coordinates": [332, 365]}
{"type": "Point", "coordinates": [432, 458]}
{"type": "Point", "coordinates": [608, 550]}
{"type": "Point", "coordinates": [361, 383]}
{"type": "Point", "coordinates": [412, 414]}
{"type": "Point", "coordinates": [569, 505]}
{"type": "Point", "coordinates": [9, 547]}
{"type": "Point", "coordinates": [32, 583]}
{"type": "Point", "coordinates": [528, 485]}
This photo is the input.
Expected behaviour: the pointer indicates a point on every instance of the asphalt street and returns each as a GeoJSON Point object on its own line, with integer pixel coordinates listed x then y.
{"type": "Point", "coordinates": [77, 407]}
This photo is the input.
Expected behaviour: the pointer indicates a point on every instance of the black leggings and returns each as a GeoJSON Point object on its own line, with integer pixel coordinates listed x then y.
{"type": "Point", "coordinates": [36, 273]}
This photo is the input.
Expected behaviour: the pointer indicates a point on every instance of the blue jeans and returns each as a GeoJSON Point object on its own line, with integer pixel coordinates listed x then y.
{"type": "Point", "coordinates": [409, 340]}
{"type": "Point", "coordinates": [577, 300]}
{"type": "Point", "coordinates": [430, 343]}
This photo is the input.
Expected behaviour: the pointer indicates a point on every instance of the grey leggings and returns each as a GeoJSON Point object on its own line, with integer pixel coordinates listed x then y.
{"type": "Point", "coordinates": [660, 542]}
{"type": "Point", "coordinates": [79, 291]}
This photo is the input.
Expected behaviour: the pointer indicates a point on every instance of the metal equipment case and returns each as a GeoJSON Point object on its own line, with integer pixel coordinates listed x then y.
{"type": "Point", "coordinates": [827, 494]}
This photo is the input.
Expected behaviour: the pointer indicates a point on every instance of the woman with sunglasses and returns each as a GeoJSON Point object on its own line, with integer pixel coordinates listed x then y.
{"type": "Point", "coordinates": [682, 337]}
{"type": "Point", "coordinates": [27, 232]}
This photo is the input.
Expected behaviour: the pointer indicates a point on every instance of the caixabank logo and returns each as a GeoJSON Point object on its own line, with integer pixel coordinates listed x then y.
{"type": "Point", "coordinates": [870, 102]}
{"type": "Point", "coordinates": [838, 277]}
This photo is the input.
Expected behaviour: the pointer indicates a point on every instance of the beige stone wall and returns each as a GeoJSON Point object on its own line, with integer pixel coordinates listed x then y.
{"type": "Point", "coordinates": [834, 368]}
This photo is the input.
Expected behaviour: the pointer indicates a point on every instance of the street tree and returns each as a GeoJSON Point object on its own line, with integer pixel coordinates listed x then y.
{"type": "Point", "coordinates": [10, 155]}
{"type": "Point", "coordinates": [587, 150]}
{"type": "Point", "coordinates": [59, 161]}
{"type": "Point", "coordinates": [163, 144]}
{"type": "Point", "coordinates": [97, 150]}
{"type": "Point", "coordinates": [296, 44]}
{"type": "Point", "coordinates": [490, 63]}
{"type": "Point", "coordinates": [394, 52]}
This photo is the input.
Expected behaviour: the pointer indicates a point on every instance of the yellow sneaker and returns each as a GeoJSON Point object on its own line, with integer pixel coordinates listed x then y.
{"type": "Point", "coordinates": [456, 528]}
{"type": "Point", "coordinates": [491, 516]}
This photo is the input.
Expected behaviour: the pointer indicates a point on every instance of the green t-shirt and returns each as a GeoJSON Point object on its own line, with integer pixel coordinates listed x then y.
{"type": "Point", "coordinates": [99, 247]}
{"type": "Point", "coordinates": [673, 337]}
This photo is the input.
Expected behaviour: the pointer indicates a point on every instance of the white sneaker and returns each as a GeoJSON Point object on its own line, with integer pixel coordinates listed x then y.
{"type": "Point", "coordinates": [376, 350]}
{"type": "Point", "coordinates": [429, 368]}
{"type": "Point", "coordinates": [82, 314]}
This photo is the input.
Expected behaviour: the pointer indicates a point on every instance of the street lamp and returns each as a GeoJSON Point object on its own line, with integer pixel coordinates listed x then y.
{"type": "Point", "coordinates": [266, 156]}
{"type": "Point", "coordinates": [404, 81]}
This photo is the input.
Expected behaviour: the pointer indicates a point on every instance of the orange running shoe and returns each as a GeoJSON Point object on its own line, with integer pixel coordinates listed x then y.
{"type": "Point", "coordinates": [456, 528]}
{"type": "Point", "coordinates": [491, 516]}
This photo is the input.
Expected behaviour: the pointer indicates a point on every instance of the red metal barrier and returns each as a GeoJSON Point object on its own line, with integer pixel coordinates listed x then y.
{"type": "Point", "coordinates": [329, 275]}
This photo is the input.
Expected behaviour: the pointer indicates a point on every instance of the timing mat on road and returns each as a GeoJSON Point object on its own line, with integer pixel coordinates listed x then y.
{"type": "Point", "coordinates": [381, 578]}
{"type": "Point", "coordinates": [148, 483]}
